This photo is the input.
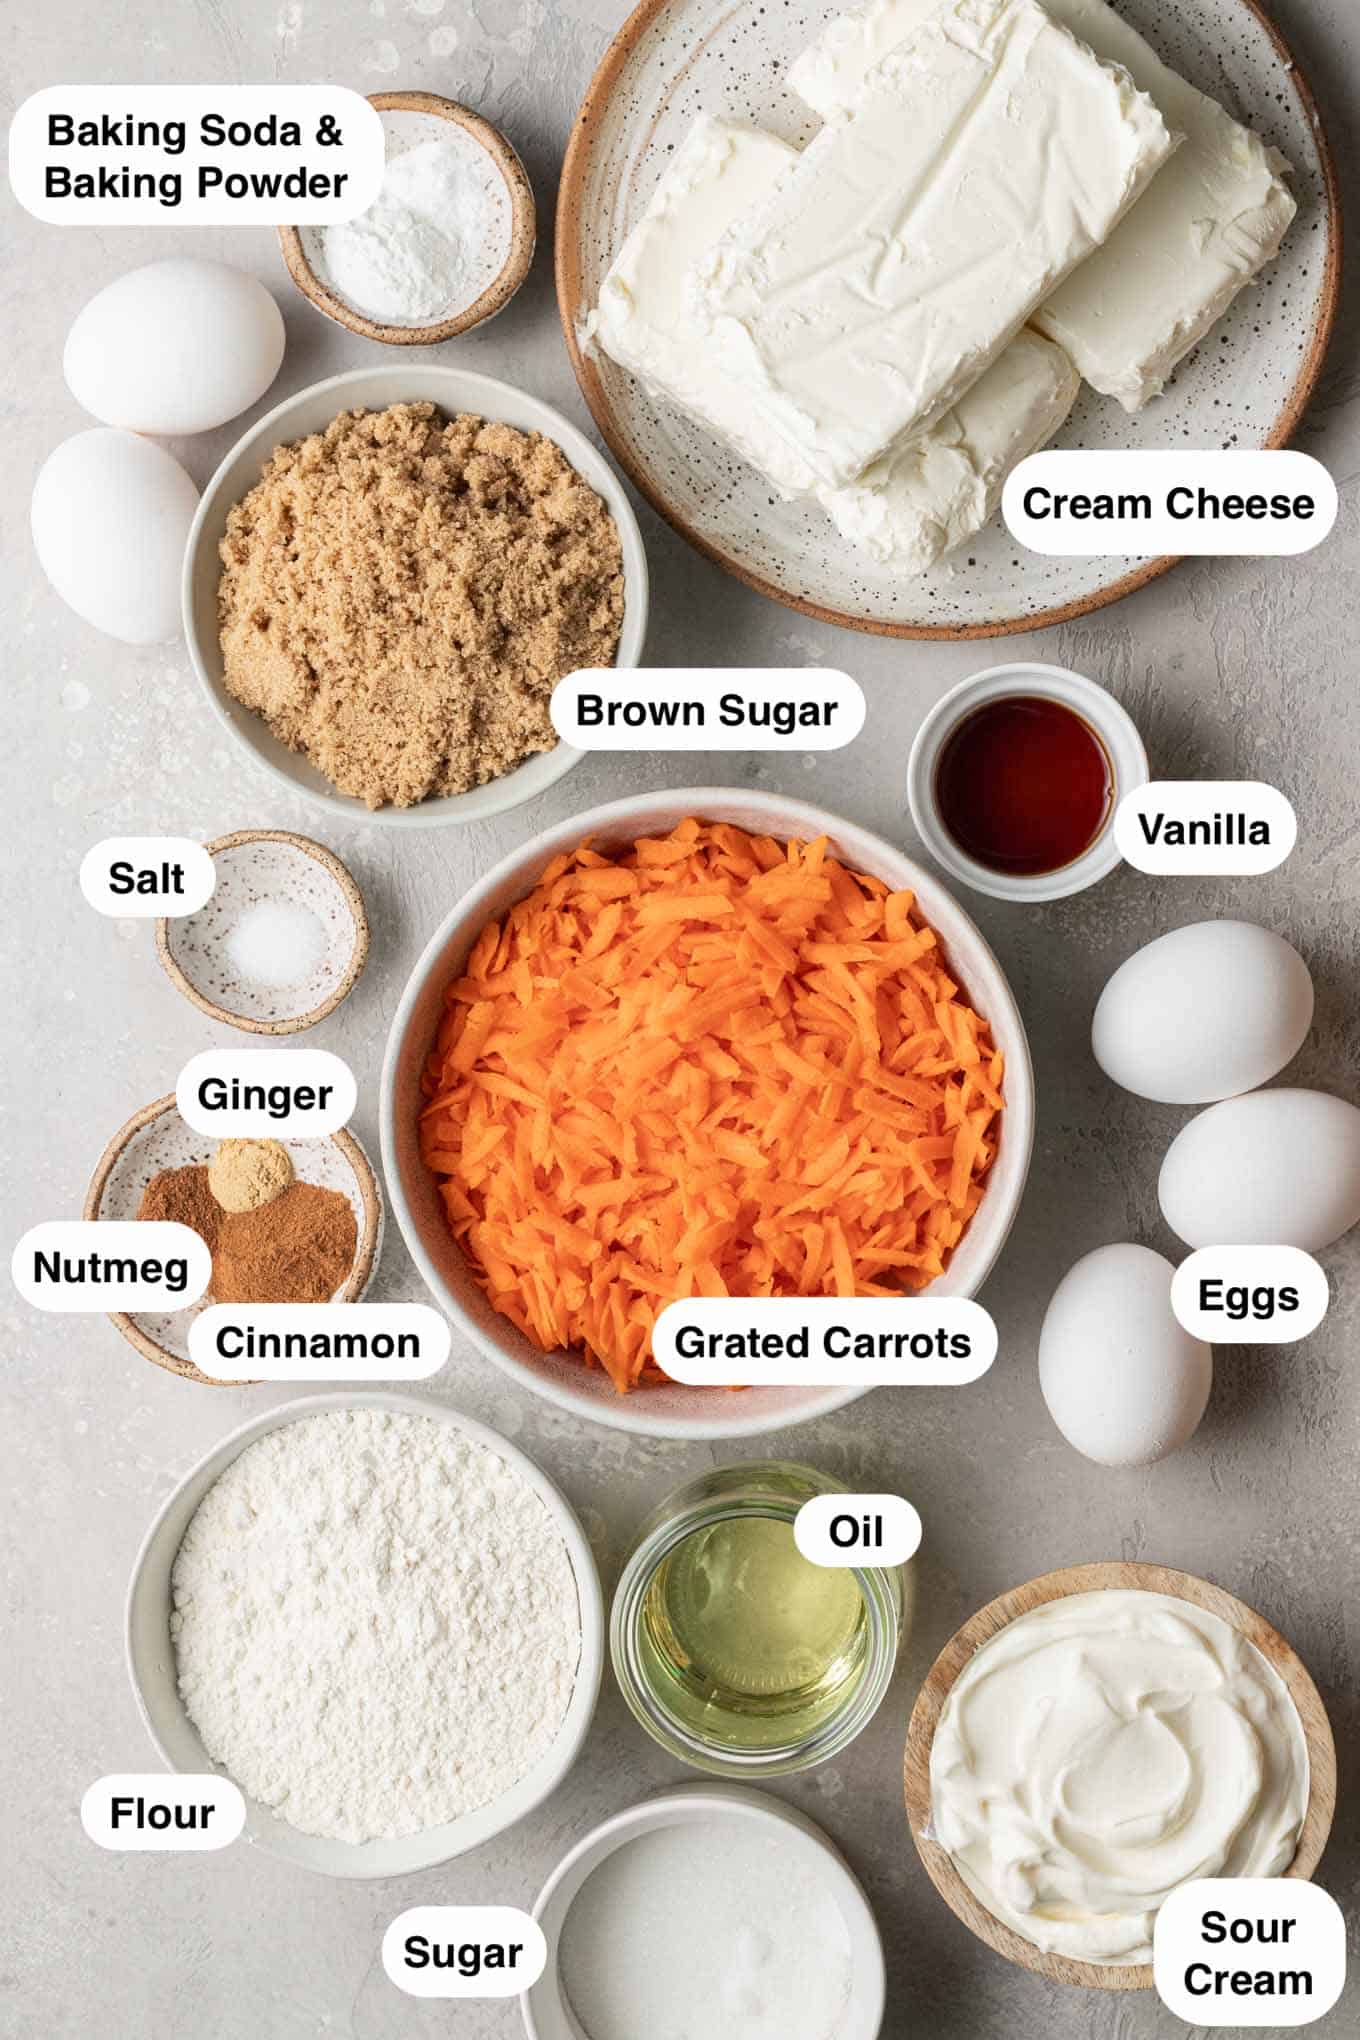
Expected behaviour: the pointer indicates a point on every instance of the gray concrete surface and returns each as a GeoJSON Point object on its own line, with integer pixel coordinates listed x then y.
{"type": "Point", "coordinates": [1232, 668]}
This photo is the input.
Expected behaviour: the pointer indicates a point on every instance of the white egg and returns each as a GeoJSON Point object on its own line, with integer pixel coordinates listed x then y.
{"type": "Point", "coordinates": [179, 346]}
{"type": "Point", "coordinates": [111, 514]}
{"type": "Point", "coordinates": [1124, 1382]}
{"type": "Point", "coordinates": [1206, 1012]}
{"type": "Point", "coordinates": [1277, 1168]}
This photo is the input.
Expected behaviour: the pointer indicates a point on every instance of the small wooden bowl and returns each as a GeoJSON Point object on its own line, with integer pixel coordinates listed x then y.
{"type": "Point", "coordinates": [157, 1138]}
{"type": "Point", "coordinates": [255, 865]}
{"type": "Point", "coordinates": [496, 295]}
{"type": "Point", "coordinates": [1054, 1586]}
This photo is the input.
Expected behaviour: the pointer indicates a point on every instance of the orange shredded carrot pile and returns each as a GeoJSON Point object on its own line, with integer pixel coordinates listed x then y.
{"type": "Point", "coordinates": [710, 1064]}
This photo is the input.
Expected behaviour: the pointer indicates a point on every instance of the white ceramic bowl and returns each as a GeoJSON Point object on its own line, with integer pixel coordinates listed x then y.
{"type": "Point", "coordinates": [669, 1410]}
{"type": "Point", "coordinates": [311, 410]}
{"type": "Point", "coordinates": [1111, 723]}
{"type": "Point", "coordinates": [151, 1657]}
{"type": "Point", "coordinates": [547, 2014]}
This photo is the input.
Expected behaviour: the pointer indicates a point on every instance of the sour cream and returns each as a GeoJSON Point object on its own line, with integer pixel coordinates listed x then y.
{"type": "Point", "coordinates": [1102, 1750]}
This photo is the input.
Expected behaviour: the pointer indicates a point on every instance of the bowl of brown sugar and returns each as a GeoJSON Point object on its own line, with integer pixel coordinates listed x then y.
{"type": "Point", "coordinates": [385, 580]}
{"type": "Point", "coordinates": [292, 1221]}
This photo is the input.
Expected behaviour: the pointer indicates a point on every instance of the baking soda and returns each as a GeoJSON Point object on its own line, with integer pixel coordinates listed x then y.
{"type": "Point", "coordinates": [435, 238]}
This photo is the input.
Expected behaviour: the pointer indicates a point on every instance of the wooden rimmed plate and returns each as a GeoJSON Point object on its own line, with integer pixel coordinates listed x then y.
{"type": "Point", "coordinates": [410, 118]}
{"type": "Point", "coordinates": [157, 1138]}
{"type": "Point", "coordinates": [1055, 1586]}
{"type": "Point", "coordinates": [1245, 386]}
{"type": "Point", "coordinates": [267, 867]}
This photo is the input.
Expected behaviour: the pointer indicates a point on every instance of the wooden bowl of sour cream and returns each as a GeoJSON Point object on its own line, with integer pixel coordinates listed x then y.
{"type": "Point", "coordinates": [999, 1615]}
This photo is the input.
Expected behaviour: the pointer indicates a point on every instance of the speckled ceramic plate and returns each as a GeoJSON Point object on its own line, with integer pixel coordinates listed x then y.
{"type": "Point", "coordinates": [1245, 386]}
{"type": "Point", "coordinates": [257, 866]}
{"type": "Point", "coordinates": [157, 1138]}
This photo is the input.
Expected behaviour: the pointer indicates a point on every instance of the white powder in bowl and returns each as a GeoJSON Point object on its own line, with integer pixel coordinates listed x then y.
{"type": "Point", "coordinates": [436, 237]}
{"type": "Point", "coordinates": [375, 1623]}
{"type": "Point", "coordinates": [277, 943]}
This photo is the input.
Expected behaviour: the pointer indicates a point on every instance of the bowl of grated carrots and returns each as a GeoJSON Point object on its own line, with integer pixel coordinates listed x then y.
{"type": "Point", "coordinates": [702, 1043]}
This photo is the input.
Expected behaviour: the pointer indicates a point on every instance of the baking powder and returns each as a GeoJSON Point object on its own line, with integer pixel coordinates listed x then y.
{"type": "Point", "coordinates": [435, 238]}
{"type": "Point", "coordinates": [375, 1622]}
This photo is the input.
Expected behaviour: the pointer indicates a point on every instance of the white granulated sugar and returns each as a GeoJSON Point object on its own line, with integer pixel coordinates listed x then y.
{"type": "Point", "coordinates": [375, 1624]}
{"type": "Point", "coordinates": [436, 236]}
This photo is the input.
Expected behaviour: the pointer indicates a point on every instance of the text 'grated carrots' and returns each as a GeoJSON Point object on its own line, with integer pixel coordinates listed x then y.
{"type": "Point", "coordinates": [707, 1065]}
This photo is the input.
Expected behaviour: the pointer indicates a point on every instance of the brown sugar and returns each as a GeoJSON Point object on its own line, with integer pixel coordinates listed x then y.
{"type": "Point", "coordinates": [401, 592]}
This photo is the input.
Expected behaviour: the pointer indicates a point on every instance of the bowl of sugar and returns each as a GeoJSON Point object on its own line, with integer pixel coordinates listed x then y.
{"type": "Point", "coordinates": [280, 942]}
{"type": "Point", "coordinates": [712, 1911]}
{"type": "Point", "coordinates": [446, 243]}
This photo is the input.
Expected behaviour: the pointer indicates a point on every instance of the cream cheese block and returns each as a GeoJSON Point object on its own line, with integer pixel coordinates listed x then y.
{"type": "Point", "coordinates": [916, 502]}
{"type": "Point", "coordinates": [921, 499]}
{"type": "Point", "coordinates": [989, 154]}
{"type": "Point", "coordinates": [1208, 223]}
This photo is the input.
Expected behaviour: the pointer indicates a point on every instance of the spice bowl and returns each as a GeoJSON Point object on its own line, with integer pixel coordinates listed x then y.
{"type": "Point", "coordinates": [151, 1665]}
{"type": "Point", "coordinates": [713, 1688]}
{"type": "Point", "coordinates": [272, 888]}
{"type": "Point", "coordinates": [1108, 729]}
{"type": "Point", "coordinates": [754, 1817]}
{"type": "Point", "coordinates": [1021, 1601]}
{"type": "Point", "coordinates": [452, 390]}
{"type": "Point", "coordinates": [157, 1138]}
{"type": "Point", "coordinates": [409, 120]}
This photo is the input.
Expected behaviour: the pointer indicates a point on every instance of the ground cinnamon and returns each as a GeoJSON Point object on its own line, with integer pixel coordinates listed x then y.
{"type": "Point", "coordinates": [298, 1248]}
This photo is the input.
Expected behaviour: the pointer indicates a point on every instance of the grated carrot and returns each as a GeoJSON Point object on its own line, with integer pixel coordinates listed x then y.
{"type": "Point", "coordinates": [710, 1064]}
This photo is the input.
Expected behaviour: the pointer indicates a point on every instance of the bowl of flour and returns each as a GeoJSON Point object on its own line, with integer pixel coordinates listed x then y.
{"type": "Point", "coordinates": [380, 1620]}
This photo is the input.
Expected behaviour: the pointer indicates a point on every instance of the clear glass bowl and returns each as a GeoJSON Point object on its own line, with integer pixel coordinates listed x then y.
{"type": "Point", "coordinates": [767, 1738]}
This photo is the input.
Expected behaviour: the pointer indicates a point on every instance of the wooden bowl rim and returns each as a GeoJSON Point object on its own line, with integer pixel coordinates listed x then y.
{"type": "Point", "coordinates": [354, 900]}
{"type": "Point", "coordinates": [567, 271]}
{"type": "Point", "coordinates": [1056, 1586]}
{"type": "Point", "coordinates": [364, 1254]}
{"type": "Point", "coordinates": [498, 293]}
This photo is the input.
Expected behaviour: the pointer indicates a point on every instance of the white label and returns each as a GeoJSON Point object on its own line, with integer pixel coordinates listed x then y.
{"type": "Point", "coordinates": [1139, 505]}
{"type": "Point", "coordinates": [142, 877]}
{"type": "Point", "coordinates": [857, 1530]}
{"type": "Point", "coordinates": [464, 1951]}
{"type": "Point", "coordinates": [163, 1810]}
{"type": "Point", "coordinates": [1249, 1296]}
{"type": "Point", "coordinates": [689, 708]}
{"type": "Point", "coordinates": [319, 1341]}
{"type": "Point", "coordinates": [1249, 1951]}
{"type": "Point", "coordinates": [195, 155]}
{"type": "Point", "coordinates": [824, 1342]}
{"type": "Point", "coordinates": [97, 1264]}
{"type": "Point", "coordinates": [1205, 827]}
{"type": "Point", "coordinates": [262, 1093]}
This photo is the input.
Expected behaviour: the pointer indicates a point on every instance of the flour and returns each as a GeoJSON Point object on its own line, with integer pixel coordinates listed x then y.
{"type": "Point", "coordinates": [375, 1622]}
{"type": "Point", "coordinates": [436, 237]}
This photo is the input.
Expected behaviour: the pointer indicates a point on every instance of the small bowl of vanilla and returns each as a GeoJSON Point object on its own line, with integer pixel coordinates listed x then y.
{"type": "Point", "coordinates": [446, 243]}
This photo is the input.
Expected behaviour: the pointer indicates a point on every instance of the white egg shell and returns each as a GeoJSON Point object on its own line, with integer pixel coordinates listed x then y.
{"type": "Point", "coordinates": [111, 515]}
{"type": "Point", "coordinates": [1206, 1012]}
{"type": "Point", "coordinates": [1277, 1168]}
{"type": "Point", "coordinates": [1124, 1382]}
{"type": "Point", "coordinates": [179, 346]}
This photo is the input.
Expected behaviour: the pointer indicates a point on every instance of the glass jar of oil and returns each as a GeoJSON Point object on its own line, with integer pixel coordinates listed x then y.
{"type": "Point", "coordinates": [733, 1650]}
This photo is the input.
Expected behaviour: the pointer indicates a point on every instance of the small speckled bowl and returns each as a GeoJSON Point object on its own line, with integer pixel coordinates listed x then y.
{"type": "Point", "coordinates": [157, 1138]}
{"type": "Point", "coordinates": [256, 865]}
{"type": "Point", "coordinates": [410, 119]}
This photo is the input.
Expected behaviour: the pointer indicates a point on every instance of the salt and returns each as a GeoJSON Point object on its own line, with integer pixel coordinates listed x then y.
{"type": "Point", "coordinates": [435, 238]}
{"type": "Point", "coordinates": [709, 1927]}
{"type": "Point", "coordinates": [277, 944]}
